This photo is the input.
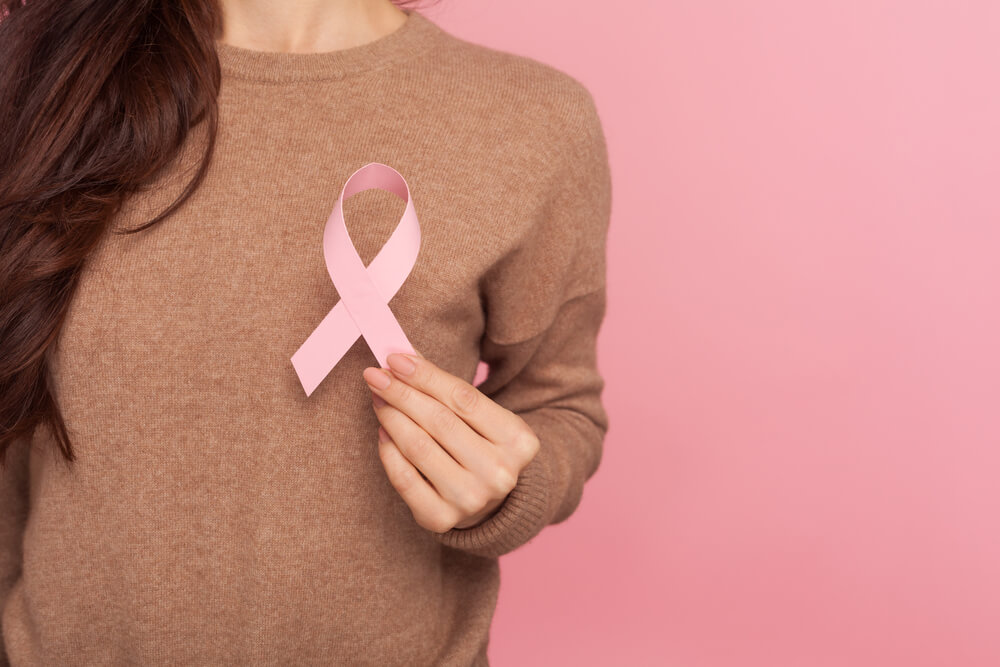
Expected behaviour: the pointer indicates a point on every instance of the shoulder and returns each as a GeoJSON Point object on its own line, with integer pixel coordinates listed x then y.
{"type": "Point", "coordinates": [534, 99]}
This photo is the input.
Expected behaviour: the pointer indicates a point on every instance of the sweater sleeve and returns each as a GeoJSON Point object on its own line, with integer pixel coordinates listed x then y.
{"type": "Point", "coordinates": [13, 513]}
{"type": "Point", "coordinates": [545, 305]}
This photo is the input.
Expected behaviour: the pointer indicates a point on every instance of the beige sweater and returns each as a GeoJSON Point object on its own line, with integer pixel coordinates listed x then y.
{"type": "Point", "coordinates": [216, 515]}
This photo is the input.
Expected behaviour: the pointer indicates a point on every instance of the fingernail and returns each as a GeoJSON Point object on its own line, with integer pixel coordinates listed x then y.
{"type": "Point", "coordinates": [378, 401]}
{"type": "Point", "coordinates": [382, 435]}
{"type": "Point", "coordinates": [401, 363]}
{"type": "Point", "coordinates": [378, 379]}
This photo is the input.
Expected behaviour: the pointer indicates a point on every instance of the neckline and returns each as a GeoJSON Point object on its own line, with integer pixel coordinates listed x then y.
{"type": "Point", "coordinates": [415, 35]}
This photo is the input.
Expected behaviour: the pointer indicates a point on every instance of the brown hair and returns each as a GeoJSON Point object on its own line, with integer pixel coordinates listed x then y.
{"type": "Point", "coordinates": [96, 100]}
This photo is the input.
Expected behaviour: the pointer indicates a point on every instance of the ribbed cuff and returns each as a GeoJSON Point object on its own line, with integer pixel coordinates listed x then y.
{"type": "Point", "coordinates": [521, 516]}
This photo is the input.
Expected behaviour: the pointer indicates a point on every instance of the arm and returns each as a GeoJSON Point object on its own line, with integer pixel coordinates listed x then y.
{"type": "Point", "coordinates": [13, 513]}
{"type": "Point", "coordinates": [546, 303]}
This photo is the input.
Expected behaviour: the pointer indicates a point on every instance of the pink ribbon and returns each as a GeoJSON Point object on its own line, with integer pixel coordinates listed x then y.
{"type": "Point", "coordinates": [363, 308]}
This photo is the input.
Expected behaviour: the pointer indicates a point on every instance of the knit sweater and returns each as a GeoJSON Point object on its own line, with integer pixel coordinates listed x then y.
{"type": "Point", "coordinates": [216, 514]}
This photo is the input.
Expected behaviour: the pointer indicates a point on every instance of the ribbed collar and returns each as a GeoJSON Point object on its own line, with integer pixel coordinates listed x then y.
{"type": "Point", "coordinates": [414, 36]}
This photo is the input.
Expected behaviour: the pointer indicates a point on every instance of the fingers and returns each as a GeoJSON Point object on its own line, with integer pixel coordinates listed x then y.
{"type": "Point", "coordinates": [429, 509]}
{"type": "Point", "coordinates": [419, 447]}
{"type": "Point", "coordinates": [468, 487]}
{"type": "Point", "coordinates": [492, 421]}
{"type": "Point", "coordinates": [457, 438]}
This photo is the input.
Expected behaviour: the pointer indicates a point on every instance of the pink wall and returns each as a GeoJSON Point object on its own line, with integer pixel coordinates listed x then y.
{"type": "Point", "coordinates": [801, 346]}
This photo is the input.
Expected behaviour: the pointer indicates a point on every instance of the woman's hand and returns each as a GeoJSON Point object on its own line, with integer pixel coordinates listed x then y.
{"type": "Point", "coordinates": [451, 452]}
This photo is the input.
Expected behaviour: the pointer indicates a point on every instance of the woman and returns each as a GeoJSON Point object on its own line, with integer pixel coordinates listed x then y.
{"type": "Point", "coordinates": [170, 494]}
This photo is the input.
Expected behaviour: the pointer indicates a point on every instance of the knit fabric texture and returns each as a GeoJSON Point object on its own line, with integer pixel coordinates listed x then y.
{"type": "Point", "coordinates": [217, 515]}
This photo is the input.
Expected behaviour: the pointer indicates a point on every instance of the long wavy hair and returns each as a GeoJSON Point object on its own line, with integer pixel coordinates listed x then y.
{"type": "Point", "coordinates": [96, 100]}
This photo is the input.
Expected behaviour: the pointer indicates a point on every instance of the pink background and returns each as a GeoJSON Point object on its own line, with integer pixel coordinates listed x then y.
{"type": "Point", "coordinates": [801, 345]}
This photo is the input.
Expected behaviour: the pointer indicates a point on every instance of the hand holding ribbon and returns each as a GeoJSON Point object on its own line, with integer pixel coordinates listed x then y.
{"type": "Point", "coordinates": [451, 452]}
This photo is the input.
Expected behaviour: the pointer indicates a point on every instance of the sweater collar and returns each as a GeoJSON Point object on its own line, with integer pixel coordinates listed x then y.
{"type": "Point", "coordinates": [416, 34]}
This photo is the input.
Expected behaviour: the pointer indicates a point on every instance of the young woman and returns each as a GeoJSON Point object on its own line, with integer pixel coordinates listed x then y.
{"type": "Point", "coordinates": [170, 494]}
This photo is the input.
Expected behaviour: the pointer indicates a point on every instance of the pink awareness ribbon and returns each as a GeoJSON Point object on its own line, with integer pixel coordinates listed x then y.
{"type": "Point", "coordinates": [363, 308]}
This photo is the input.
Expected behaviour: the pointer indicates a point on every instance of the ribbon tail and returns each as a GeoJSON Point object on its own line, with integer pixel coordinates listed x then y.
{"type": "Point", "coordinates": [325, 347]}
